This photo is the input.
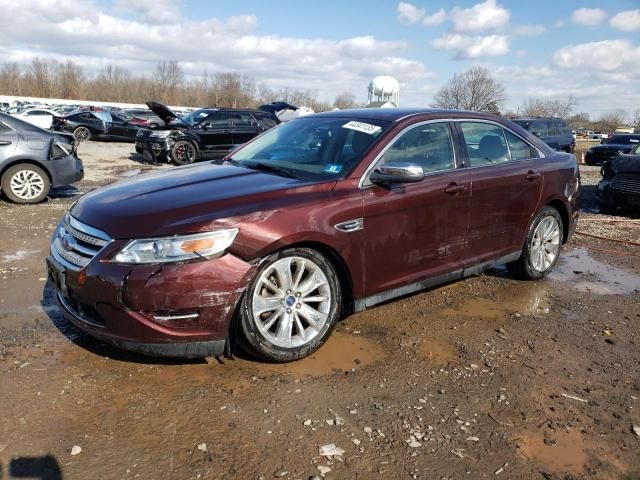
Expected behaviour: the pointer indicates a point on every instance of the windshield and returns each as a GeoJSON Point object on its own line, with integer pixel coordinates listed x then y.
{"type": "Point", "coordinates": [318, 147]}
{"type": "Point", "coordinates": [193, 118]}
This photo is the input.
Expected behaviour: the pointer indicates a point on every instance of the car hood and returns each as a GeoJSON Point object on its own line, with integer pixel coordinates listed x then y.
{"type": "Point", "coordinates": [621, 164]}
{"type": "Point", "coordinates": [189, 199]}
{"type": "Point", "coordinates": [162, 111]}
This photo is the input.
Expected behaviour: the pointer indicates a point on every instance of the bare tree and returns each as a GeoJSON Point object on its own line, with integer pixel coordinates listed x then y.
{"type": "Point", "coordinates": [11, 79]}
{"type": "Point", "coordinates": [611, 120]}
{"type": "Point", "coordinates": [345, 100]}
{"type": "Point", "coordinates": [169, 77]}
{"type": "Point", "coordinates": [69, 80]}
{"type": "Point", "coordinates": [474, 90]}
{"type": "Point", "coordinates": [536, 107]}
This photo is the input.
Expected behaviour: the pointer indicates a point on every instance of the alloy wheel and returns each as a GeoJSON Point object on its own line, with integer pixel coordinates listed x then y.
{"type": "Point", "coordinates": [184, 153]}
{"type": "Point", "coordinates": [82, 134]}
{"type": "Point", "coordinates": [27, 184]}
{"type": "Point", "coordinates": [291, 302]}
{"type": "Point", "coordinates": [545, 244]}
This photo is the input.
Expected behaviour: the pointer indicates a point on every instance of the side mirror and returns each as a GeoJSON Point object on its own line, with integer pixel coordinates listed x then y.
{"type": "Point", "coordinates": [391, 173]}
{"type": "Point", "coordinates": [204, 127]}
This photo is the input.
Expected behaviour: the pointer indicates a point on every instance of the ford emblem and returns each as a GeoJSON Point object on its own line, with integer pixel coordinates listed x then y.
{"type": "Point", "coordinates": [67, 242]}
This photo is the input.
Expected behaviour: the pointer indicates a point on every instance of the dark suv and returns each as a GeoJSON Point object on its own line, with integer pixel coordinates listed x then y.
{"type": "Point", "coordinates": [205, 133]}
{"type": "Point", "coordinates": [321, 216]}
{"type": "Point", "coordinates": [552, 131]}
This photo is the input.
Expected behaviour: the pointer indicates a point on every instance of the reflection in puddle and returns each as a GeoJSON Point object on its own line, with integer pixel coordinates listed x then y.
{"type": "Point", "coordinates": [586, 274]}
{"type": "Point", "coordinates": [563, 452]}
{"type": "Point", "coordinates": [341, 352]}
{"type": "Point", "coordinates": [527, 298]}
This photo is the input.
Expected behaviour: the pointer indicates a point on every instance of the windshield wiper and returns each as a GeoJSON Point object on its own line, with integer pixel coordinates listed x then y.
{"type": "Point", "coordinates": [268, 167]}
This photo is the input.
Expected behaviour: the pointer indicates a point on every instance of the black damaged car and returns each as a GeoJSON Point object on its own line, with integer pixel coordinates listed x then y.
{"type": "Point", "coordinates": [620, 184]}
{"type": "Point", "coordinates": [208, 133]}
{"type": "Point", "coordinates": [610, 148]}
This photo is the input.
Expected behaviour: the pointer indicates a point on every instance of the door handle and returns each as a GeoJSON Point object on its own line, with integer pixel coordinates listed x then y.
{"type": "Point", "coordinates": [454, 189]}
{"type": "Point", "coordinates": [531, 176]}
{"type": "Point", "coordinates": [5, 142]}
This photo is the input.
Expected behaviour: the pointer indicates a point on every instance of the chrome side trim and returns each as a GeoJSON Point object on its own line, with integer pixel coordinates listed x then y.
{"type": "Point", "coordinates": [364, 303]}
{"type": "Point", "coordinates": [350, 225]}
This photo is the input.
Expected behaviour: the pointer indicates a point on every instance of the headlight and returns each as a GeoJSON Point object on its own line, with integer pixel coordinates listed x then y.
{"type": "Point", "coordinates": [160, 133]}
{"type": "Point", "coordinates": [176, 249]}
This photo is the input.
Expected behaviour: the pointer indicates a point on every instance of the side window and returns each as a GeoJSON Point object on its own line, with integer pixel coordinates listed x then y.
{"type": "Point", "coordinates": [426, 145]}
{"type": "Point", "coordinates": [34, 113]}
{"type": "Point", "coordinates": [552, 128]}
{"type": "Point", "coordinates": [218, 120]}
{"type": "Point", "coordinates": [485, 143]}
{"type": "Point", "coordinates": [520, 150]}
{"type": "Point", "coordinates": [539, 128]}
{"type": "Point", "coordinates": [242, 119]}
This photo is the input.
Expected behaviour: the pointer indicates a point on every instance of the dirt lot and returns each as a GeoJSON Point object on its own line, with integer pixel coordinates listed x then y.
{"type": "Point", "coordinates": [485, 378]}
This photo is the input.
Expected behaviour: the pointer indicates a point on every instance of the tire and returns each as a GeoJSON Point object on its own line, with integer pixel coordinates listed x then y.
{"type": "Point", "coordinates": [283, 331]}
{"type": "Point", "coordinates": [25, 183]}
{"type": "Point", "coordinates": [82, 134]}
{"type": "Point", "coordinates": [542, 246]}
{"type": "Point", "coordinates": [183, 153]}
{"type": "Point", "coordinates": [139, 150]}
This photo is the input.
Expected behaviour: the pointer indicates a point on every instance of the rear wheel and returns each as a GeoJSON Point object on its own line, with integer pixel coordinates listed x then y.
{"type": "Point", "coordinates": [82, 134]}
{"type": "Point", "coordinates": [25, 183]}
{"type": "Point", "coordinates": [542, 246]}
{"type": "Point", "coordinates": [291, 306]}
{"type": "Point", "coordinates": [183, 152]}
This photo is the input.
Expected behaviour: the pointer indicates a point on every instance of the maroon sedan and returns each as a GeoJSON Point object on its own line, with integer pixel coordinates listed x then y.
{"type": "Point", "coordinates": [321, 216]}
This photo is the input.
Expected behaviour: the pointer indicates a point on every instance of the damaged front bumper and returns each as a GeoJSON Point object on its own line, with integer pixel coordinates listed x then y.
{"type": "Point", "coordinates": [177, 310]}
{"type": "Point", "coordinates": [154, 150]}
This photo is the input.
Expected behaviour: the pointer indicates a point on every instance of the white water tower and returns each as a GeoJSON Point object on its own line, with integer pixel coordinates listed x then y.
{"type": "Point", "coordinates": [384, 90]}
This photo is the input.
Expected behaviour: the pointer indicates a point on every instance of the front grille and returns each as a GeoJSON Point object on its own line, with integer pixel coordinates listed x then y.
{"type": "Point", "coordinates": [75, 244]}
{"type": "Point", "coordinates": [626, 183]}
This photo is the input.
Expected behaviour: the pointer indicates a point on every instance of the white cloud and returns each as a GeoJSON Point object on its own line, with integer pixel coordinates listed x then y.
{"type": "Point", "coordinates": [588, 16]}
{"type": "Point", "coordinates": [408, 13]}
{"type": "Point", "coordinates": [482, 16]}
{"type": "Point", "coordinates": [627, 21]}
{"type": "Point", "coordinates": [604, 56]}
{"type": "Point", "coordinates": [529, 30]}
{"type": "Point", "coordinates": [153, 11]}
{"type": "Point", "coordinates": [469, 46]}
{"type": "Point", "coordinates": [87, 34]}
{"type": "Point", "coordinates": [434, 19]}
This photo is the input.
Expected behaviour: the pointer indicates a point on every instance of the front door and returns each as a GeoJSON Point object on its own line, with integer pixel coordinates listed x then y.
{"type": "Point", "coordinates": [244, 127]}
{"type": "Point", "coordinates": [506, 184]}
{"type": "Point", "coordinates": [215, 135]}
{"type": "Point", "coordinates": [416, 231]}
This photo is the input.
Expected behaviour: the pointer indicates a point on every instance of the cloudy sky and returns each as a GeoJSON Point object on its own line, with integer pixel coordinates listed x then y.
{"type": "Point", "coordinates": [546, 48]}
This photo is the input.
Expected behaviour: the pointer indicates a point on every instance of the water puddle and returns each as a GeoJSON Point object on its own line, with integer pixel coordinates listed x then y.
{"type": "Point", "coordinates": [586, 274]}
{"type": "Point", "coordinates": [341, 352]}
{"type": "Point", "coordinates": [526, 298]}
{"type": "Point", "coordinates": [558, 452]}
{"type": "Point", "coordinates": [438, 353]}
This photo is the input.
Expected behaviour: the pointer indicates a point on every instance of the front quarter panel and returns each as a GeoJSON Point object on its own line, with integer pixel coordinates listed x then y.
{"type": "Point", "coordinates": [311, 222]}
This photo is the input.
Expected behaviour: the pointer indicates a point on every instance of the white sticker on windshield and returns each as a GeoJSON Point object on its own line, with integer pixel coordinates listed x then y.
{"type": "Point", "coordinates": [362, 127]}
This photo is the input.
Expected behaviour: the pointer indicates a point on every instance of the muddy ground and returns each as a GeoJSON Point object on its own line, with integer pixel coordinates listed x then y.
{"type": "Point", "coordinates": [484, 378]}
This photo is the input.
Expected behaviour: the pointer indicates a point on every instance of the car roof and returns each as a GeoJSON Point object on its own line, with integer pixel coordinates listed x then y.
{"type": "Point", "coordinates": [396, 114]}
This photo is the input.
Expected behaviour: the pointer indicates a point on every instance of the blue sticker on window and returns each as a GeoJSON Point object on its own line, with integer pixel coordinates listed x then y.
{"type": "Point", "coordinates": [331, 168]}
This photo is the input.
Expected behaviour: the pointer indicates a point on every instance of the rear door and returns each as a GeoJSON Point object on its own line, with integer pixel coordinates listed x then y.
{"type": "Point", "coordinates": [8, 141]}
{"type": "Point", "coordinates": [506, 185]}
{"type": "Point", "coordinates": [244, 127]}
{"type": "Point", "coordinates": [415, 231]}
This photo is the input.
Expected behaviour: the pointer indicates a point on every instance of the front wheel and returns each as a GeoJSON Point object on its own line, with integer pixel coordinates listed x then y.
{"type": "Point", "coordinates": [291, 307]}
{"type": "Point", "coordinates": [25, 183]}
{"type": "Point", "coordinates": [542, 246]}
{"type": "Point", "coordinates": [183, 153]}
